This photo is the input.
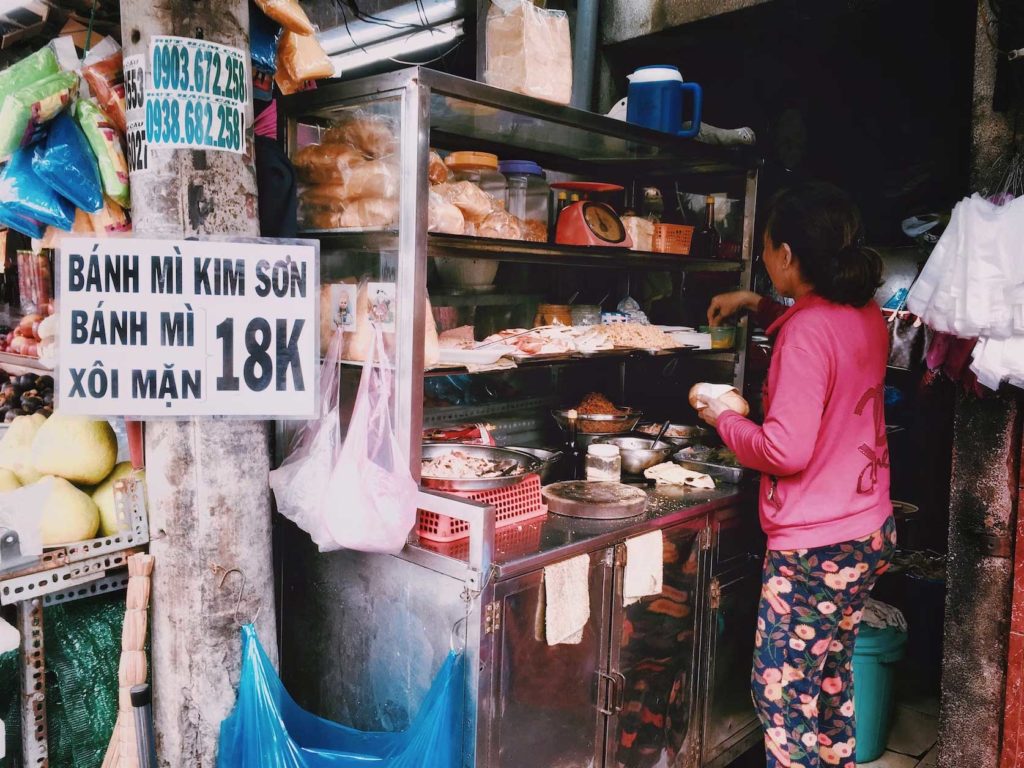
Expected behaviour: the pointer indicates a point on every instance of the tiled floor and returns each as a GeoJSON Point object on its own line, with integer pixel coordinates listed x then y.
{"type": "Point", "coordinates": [912, 735]}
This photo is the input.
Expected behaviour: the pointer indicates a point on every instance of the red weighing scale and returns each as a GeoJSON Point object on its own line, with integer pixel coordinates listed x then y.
{"type": "Point", "coordinates": [590, 223]}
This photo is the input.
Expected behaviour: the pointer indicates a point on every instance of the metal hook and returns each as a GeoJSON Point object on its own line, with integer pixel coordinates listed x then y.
{"type": "Point", "coordinates": [241, 594]}
{"type": "Point", "coordinates": [451, 638]}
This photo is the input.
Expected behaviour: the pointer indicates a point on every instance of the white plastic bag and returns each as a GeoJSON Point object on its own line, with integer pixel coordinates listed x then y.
{"type": "Point", "coordinates": [371, 495]}
{"type": "Point", "coordinates": [300, 483]}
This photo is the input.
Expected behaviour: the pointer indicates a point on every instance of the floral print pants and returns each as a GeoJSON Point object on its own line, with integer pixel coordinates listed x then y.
{"type": "Point", "coordinates": [811, 604]}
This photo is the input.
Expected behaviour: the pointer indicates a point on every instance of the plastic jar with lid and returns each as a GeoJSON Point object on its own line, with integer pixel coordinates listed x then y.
{"type": "Point", "coordinates": [604, 463]}
{"type": "Point", "coordinates": [481, 168]}
{"type": "Point", "coordinates": [528, 195]}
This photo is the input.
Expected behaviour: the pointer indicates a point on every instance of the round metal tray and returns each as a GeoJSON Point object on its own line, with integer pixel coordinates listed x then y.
{"type": "Point", "coordinates": [527, 465]}
{"type": "Point", "coordinates": [594, 500]}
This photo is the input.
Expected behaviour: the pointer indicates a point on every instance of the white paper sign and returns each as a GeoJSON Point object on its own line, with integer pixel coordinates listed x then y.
{"type": "Point", "coordinates": [197, 94]}
{"type": "Point", "coordinates": [135, 112]}
{"type": "Point", "coordinates": [179, 328]}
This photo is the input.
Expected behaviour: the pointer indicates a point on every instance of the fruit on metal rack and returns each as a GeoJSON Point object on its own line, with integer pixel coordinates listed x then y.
{"type": "Point", "coordinates": [76, 448]}
{"type": "Point", "coordinates": [103, 496]}
{"type": "Point", "coordinates": [68, 514]}
{"type": "Point", "coordinates": [16, 447]}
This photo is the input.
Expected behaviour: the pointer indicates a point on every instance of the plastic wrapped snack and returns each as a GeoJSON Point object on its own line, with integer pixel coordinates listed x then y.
{"type": "Point", "coordinates": [444, 217]}
{"type": "Point", "coordinates": [301, 57]}
{"type": "Point", "coordinates": [327, 163]}
{"type": "Point", "coordinates": [319, 218]}
{"type": "Point", "coordinates": [111, 219]}
{"type": "Point", "coordinates": [474, 203]}
{"type": "Point", "coordinates": [287, 13]}
{"type": "Point", "coordinates": [66, 162]}
{"type": "Point", "coordinates": [369, 212]}
{"type": "Point", "coordinates": [106, 146]}
{"type": "Point", "coordinates": [529, 50]}
{"type": "Point", "coordinates": [24, 112]}
{"type": "Point", "coordinates": [373, 135]}
{"type": "Point", "coordinates": [377, 178]}
{"type": "Point", "coordinates": [437, 170]}
{"type": "Point", "coordinates": [23, 193]}
{"type": "Point", "coordinates": [501, 225]}
{"type": "Point", "coordinates": [286, 84]}
{"type": "Point", "coordinates": [103, 70]}
{"type": "Point", "coordinates": [82, 227]}
{"type": "Point", "coordinates": [29, 70]}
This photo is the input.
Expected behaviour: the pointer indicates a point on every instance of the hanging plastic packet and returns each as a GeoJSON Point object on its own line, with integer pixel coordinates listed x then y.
{"type": "Point", "coordinates": [24, 113]}
{"type": "Point", "coordinates": [22, 192]}
{"type": "Point", "coordinates": [106, 146]}
{"type": "Point", "coordinates": [103, 70]}
{"type": "Point", "coordinates": [28, 227]}
{"type": "Point", "coordinates": [111, 219]}
{"type": "Point", "coordinates": [301, 57]}
{"type": "Point", "coordinates": [66, 162]}
{"type": "Point", "coordinates": [31, 69]}
{"type": "Point", "coordinates": [287, 13]}
{"type": "Point", "coordinates": [81, 227]}
{"type": "Point", "coordinates": [263, 38]}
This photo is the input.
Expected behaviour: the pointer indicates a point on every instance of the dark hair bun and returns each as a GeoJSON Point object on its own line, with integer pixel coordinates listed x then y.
{"type": "Point", "coordinates": [822, 227]}
{"type": "Point", "coordinates": [857, 275]}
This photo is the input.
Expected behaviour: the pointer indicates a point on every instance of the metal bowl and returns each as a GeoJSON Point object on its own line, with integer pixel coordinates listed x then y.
{"type": "Point", "coordinates": [680, 435]}
{"type": "Point", "coordinates": [638, 454]}
{"type": "Point", "coordinates": [600, 424]}
{"type": "Point", "coordinates": [527, 465]}
{"type": "Point", "coordinates": [549, 460]}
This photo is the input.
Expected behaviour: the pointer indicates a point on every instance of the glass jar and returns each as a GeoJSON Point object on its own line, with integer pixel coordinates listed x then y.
{"type": "Point", "coordinates": [481, 168]}
{"type": "Point", "coordinates": [604, 463]}
{"type": "Point", "coordinates": [552, 314]}
{"type": "Point", "coordinates": [528, 194]}
{"type": "Point", "coordinates": [586, 314]}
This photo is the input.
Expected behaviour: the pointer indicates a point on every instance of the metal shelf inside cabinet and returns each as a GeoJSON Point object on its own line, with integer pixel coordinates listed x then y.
{"type": "Point", "coordinates": [468, 112]}
{"type": "Point", "coordinates": [464, 246]}
{"type": "Point", "coordinates": [616, 355]}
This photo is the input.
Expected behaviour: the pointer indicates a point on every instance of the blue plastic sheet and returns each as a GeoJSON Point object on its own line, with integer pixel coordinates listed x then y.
{"type": "Point", "coordinates": [25, 194]}
{"type": "Point", "coordinates": [28, 227]}
{"type": "Point", "coordinates": [65, 162]}
{"type": "Point", "coordinates": [267, 729]}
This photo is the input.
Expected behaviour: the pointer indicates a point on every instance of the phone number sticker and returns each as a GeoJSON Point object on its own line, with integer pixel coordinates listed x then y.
{"type": "Point", "coordinates": [196, 95]}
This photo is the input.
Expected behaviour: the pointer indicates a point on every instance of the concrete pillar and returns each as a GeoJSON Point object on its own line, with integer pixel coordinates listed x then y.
{"type": "Point", "coordinates": [208, 493]}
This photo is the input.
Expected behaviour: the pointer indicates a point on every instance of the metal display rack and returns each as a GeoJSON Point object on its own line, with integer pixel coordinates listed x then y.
{"type": "Point", "coordinates": [394, 619]}
{"type": "Point", "coordinates": [82, 569]}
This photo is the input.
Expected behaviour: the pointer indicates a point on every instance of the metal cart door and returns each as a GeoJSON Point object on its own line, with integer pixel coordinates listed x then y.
{"type": "Point", "coordinates": [653, 712]}
{"type": "Point", "coordinates": [545, 708]}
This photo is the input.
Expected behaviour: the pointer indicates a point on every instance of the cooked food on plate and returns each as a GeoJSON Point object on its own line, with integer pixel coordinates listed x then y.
{"type": "Point", "coordinates": [672, 474]}
{"type": "Point", "coordinates": [458, 465]}
{"type": "Point", "coordinates": [637, 336]}
{"type": "Point", "coordinates": [673, 431]}
{"type": "Point", "coordinates": [596, 404]}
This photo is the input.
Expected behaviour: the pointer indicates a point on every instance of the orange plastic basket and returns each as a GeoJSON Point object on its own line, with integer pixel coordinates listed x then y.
{"type": "Point", "coordinates": [672, 238]}
{"type": "Point", "coordinates": [513, 504]}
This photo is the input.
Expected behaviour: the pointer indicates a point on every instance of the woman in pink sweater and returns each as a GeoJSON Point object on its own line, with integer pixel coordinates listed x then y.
{"type": "Point", "coordinates": [822, 452]}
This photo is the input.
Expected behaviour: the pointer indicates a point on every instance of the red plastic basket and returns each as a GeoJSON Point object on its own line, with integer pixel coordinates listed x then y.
{"type": "Point", "coordinates": [513, 504]}
{"type": "Point", "coordinates": [513, 541]}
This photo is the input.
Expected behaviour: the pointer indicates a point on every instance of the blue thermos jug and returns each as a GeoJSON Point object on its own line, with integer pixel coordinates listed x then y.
{"type": "Point", "coordinates": [656, 100]}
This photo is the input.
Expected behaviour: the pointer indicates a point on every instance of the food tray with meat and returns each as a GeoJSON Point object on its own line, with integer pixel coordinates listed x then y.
{"type": "Point", "coordinates": [597, 415]}
{"type": "Point", "coordinates": [463, 467]}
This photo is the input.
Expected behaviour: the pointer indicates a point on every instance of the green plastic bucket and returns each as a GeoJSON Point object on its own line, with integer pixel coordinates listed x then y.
{"type": "Point", "coordinates": [873, 657]}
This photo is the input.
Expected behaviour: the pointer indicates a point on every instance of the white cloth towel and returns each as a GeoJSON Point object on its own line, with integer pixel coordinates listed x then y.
{"type": "Point", "coordinates": [10, 638]}
{"type": "Point", "coordinates": [645, 567]}
{"type": "Point", "coordinates": [567, 600]}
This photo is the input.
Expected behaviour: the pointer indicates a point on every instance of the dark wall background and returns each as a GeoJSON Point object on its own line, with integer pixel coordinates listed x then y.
{"type": "Point", "coordinates": [872, 95]}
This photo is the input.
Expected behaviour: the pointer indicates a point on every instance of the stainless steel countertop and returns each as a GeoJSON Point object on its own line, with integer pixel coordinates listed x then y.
{"type": "Point", "coordinates": [536, 543]}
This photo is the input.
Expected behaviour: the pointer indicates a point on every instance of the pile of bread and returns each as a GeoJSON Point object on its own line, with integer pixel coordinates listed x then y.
{"type": "Point", "coordinates": [463, 208]}
{"type": "Point", "coordinates": [351, 179]}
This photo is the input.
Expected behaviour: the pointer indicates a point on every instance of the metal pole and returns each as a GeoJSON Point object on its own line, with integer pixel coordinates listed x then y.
{"type": "Point", "coordinates": [142, 704]}
{"type": "Point", "coordinates": [584, 54]}
{"type": "Point", "coordinates": [209, 498]}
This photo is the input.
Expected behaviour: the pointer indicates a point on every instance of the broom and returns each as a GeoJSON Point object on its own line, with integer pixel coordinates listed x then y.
{"type": "Point", "coordinates": [122, 752]}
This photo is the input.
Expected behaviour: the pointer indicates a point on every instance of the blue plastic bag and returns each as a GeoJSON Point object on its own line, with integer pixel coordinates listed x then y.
{"type": "Point", "coordinates": [25, 194]}
{"type": "Point", "coordinates": [264, 33]}
{"type": "Point", "coordinates": [28, 227]}
{"type": "Point", "coordinates": [65, 161]}
{"type": "Point", "coordinates": [267, 729]}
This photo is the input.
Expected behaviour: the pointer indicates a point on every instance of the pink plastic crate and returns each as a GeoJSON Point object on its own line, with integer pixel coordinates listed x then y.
{"type": "Point", "coordinates": [513, 504]}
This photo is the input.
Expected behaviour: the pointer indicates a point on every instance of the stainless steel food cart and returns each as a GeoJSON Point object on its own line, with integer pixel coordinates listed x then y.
{"type": "Point", "coordinates": [661, 682]}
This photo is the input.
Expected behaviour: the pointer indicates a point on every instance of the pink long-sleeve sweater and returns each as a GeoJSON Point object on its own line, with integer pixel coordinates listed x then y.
{"type": "Point", "coordinates": [822, 449]}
